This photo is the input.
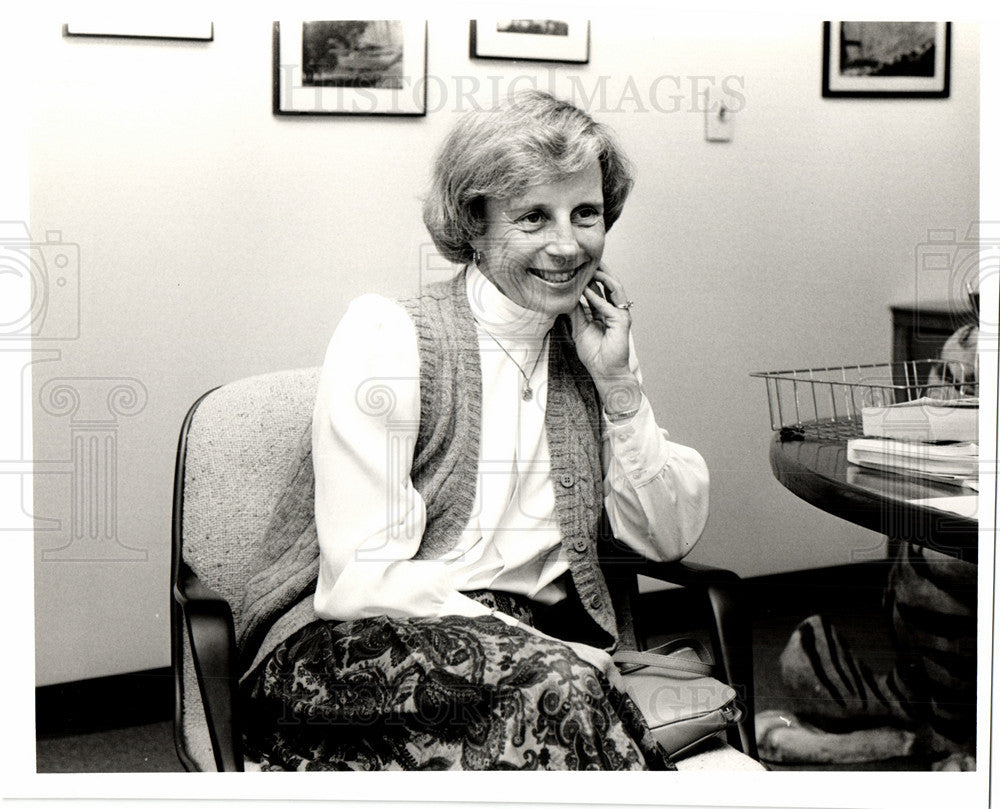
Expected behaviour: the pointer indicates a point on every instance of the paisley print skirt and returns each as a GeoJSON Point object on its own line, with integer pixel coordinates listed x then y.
{"type": "Point", "coordinates": [449, 693]}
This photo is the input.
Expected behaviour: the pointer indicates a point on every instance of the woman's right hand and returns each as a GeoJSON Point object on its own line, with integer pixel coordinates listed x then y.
{"type": "Point", "coordinates": [601, 336]}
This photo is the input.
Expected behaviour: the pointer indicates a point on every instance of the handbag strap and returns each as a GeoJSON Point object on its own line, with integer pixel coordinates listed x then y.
{"type": "Point", "coordinates": [682, 644]}
{"type": "Point", "coordinates": [667, 656]}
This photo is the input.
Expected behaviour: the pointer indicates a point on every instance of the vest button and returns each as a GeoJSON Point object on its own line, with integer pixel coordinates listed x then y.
{"type": "Point", "coordinates": [595, 602]}
{"type": "Point", "coordinates": [567, 480]}
{"type": "Point", "coordinates": [579, 544]}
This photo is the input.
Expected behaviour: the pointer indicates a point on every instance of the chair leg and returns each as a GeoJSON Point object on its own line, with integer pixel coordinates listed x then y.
{"type": "Point", "coordinates": [210, 645]}
{"type": "Point", "coordinates": [733, 649]}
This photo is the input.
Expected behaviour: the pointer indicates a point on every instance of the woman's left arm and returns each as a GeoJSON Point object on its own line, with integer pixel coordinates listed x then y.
{"type": "Point", "coordinates": [655, 491]}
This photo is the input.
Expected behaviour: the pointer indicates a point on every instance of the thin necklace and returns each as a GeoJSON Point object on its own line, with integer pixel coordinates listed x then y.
{"type": "Point", "coordinates": [526, 393]}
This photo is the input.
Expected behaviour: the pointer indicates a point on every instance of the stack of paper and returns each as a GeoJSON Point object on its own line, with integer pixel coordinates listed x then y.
{"type": "Point", "coordinates": [924, 419]}
{"type": "Point", "coordinates": [956, 463]}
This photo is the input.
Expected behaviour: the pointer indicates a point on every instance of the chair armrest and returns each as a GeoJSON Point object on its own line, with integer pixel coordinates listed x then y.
{"type": "Point", "coordinates": [731, 630]}
{"type": "Point", "coordinates": [209, 621]}
{"type": "Point", "coordinates": [688, 574]}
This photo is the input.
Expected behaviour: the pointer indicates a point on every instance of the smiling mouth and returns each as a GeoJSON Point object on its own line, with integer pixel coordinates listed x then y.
{"type": "Point", "coordinates": [556, 276]}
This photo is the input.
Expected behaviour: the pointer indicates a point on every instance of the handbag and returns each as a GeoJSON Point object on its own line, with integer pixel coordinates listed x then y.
{"type": "Point", "coordinates": [673, 686]}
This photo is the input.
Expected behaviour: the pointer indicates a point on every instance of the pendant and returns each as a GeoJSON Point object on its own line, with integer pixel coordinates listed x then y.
{"type": "Point", "coordinates": [527, 393]}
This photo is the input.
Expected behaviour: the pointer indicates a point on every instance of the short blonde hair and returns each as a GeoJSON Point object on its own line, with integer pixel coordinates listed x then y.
{"type": "Point", "coordinates": [529, 139]}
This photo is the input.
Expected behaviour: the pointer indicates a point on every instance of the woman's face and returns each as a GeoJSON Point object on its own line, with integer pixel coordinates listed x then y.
{"type": "Point", "coordinates": [541, 249]}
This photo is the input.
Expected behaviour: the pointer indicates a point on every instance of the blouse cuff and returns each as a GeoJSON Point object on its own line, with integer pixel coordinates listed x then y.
{"type": "Point", "coordinates": [638, 444]}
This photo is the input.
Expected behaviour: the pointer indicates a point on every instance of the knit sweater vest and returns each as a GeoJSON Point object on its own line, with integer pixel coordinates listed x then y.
{"type": "Point", "coordinates": [443, 471]}
{"type": "Point", "coordinates": [446, 455]}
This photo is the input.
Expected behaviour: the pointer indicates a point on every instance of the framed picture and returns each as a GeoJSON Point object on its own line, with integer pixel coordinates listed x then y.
{"type": "Point", "coordinates": [886, 59]}
{"type": "Point", "coordinates": [350, 67]}
{"type": "Point", "coordinates": [562, 40]}
{"type": "Point", "coordinates": [140, 28]}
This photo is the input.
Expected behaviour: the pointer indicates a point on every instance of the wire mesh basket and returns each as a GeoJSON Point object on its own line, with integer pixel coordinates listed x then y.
{"type": "Point", "coordinates": [827, 402]}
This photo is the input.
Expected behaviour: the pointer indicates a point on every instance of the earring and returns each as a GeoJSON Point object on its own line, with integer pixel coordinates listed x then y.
{"type": "Point", "coordinates": [476, 256]}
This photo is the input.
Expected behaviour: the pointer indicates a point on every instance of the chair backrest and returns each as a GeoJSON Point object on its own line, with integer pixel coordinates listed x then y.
{"type": "Point", "coordinates": [241, 440]}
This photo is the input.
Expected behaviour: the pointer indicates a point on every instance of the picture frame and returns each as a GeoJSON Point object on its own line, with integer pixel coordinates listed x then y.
{"type": "Point", "coordinates": [548, 40]}
{"type": "Point", "coordinates": [886, 59]}
{"type": "Point", "coordinates": [133, 28]}
{"type": "Point", "coordinates": [350, 67]}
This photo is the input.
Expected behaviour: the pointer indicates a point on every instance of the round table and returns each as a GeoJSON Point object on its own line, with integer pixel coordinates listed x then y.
{"type": "Point", "coordinates": [817, 470]}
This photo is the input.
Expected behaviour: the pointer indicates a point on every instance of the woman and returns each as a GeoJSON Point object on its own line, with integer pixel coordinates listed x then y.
{"type": "Point", "coordinates": [465, 443]}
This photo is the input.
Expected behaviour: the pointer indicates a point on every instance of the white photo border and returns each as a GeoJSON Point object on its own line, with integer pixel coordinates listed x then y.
{"type": "Point", "coordinates": [129, 28]}
{"type": "Point", "coordinates": [486, 42]}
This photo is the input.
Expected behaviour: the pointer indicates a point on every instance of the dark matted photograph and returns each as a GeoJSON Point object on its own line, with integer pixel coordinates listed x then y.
{"type": "Point", "coordinates": [885, 59]}
{"type": "Point", "coordinates": [558, 28]}
{"type": "Point", "coordinates": [350, 67]}
{"type": "Point", "coordinates": [353, 53]}
{"type": "Point", "coordinates": [531, 40]}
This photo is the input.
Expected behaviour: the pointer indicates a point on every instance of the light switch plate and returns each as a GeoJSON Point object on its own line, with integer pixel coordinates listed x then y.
{"type": "Point", "coordinates": [719, 120]}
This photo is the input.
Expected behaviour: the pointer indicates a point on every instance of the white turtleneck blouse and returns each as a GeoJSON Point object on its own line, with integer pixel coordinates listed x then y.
{"type": "Point", "coordinates": [370, 518]}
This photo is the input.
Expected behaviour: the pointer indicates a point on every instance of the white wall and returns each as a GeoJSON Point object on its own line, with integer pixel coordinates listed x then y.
{"type": "Point", "coordinates": [218, 241]}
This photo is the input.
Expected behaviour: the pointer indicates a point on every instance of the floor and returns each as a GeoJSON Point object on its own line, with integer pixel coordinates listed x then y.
{"type": "Point", "coordinates": [779, 604]}
{"type": "Point", "coordinates": [140, 748]}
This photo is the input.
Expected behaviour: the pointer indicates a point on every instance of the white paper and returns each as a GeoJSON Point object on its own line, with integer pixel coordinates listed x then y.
{"type": "Point", "coordinates": [965, 505]}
